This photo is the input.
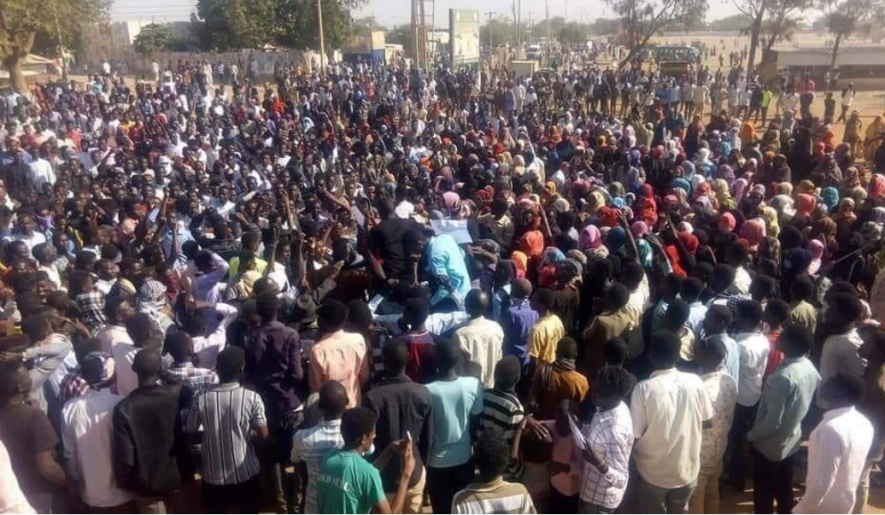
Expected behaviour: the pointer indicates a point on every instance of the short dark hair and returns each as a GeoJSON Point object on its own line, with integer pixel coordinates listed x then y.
{"type": "Point", "coordinates": [333, 398]}
{"type": "Point", "coordinates": [846, 306]}
{"type": "Point", "coordinates": [395, 355]}
{"type": "Point", "coordinates": [507, 372]}
{"type": "Point", "coordinates": [229, 363]}
{"type": "Point", "coordinates": [567, 347]}
{"type": "Point", "coordinates": [614, 382]}
{"type": "Point", "coordinates": [147, 363]}
{"type": "Point", "coordinates": [847, 387]}
{"type": "Point", "coordinates": [712, 347]}
{"type": "Point", "coordinates": [267, 305]}
{"type": "Point", "coordinates": [357, 423]}
{"type": "Point", "coordinates": [491, 453]}
{"type": "Point", "coordinates": [666, 348]}
{"type": "Point", "coordinates": [723, 276]}
{"type": "Point", "coordinates": [359, 314]}
{"type": "Point", "coordinates": [36, 327]}
{"type": "Point", "coordinates": [677, 314]}
{"type": "Point", "coordinates": [139, 327]}
{"type": "Point", "coordinates": [416, 311]}
{"type": "Point", "coordinates": [617, 296]}
{"type": "Point", "coordinates": [544, 298]}
{"type": "Point", "coordinates": [749, 311]}
{"type": "Point", "coordinates": [721, 313]}
{"type": "Point", "coordinates": [795, 340]}
{"type": "Point", "coordinates": [691, 289]}
{"type": "Point", "coordinates": [632, 274]}
{"type": "Point", "coordinates": [777, 311]}
{"type": "Point", "coordinates": [615, 352]}
{"type": "Point", "coordinates": [802, 287]}
{"type": "Point", "coordinates": [448, 355]}
{"type": "Point", "coordinates": [332, 314]}
{"type": "Point", "coordinates": [180, 345]}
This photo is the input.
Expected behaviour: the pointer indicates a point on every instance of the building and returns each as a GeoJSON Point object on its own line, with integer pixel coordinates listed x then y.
{"type": "Point", "coordinates": [863, 65]}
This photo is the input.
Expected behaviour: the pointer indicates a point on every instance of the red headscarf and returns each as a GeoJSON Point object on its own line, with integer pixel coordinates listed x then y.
{"type": "Point", "coordinates": [532, 243]}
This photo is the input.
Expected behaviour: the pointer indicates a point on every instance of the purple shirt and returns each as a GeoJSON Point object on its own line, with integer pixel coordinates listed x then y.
{"type": "Point", "coordinates": [517, 322]}
{"type": "Point", "coordinates": [273, 366]}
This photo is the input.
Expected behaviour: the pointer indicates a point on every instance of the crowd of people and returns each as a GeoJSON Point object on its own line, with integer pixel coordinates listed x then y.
{"type": "Point", "coordinates": [372, 289]}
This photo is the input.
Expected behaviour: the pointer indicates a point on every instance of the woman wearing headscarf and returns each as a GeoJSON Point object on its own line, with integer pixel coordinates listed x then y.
{"type": "Point", "coordinates": [873, 138]}
{"type": "Point", "coordinates": [845, 218]}
{"type": "Point", "coordinates": [723, 195]}
{"type": "Point", "coordinates": [827, 172]}
{"type": "Point", "coordinates": [772, 226]}
{"type": "Point", "coordinates": [824, 229]}
{"type": "Point", "coordinates": [877, 187]}
{"type": "Point", "coordinates": [753, 230]}
{"type": "Point", "coordinates": [805, 204]}
{"type": "Point", "coordinates": [817, 248]}
{"type": "Point", "coordinates": [829, 197]}
{"type": "Point", "coordinates": [852, 132]}
{"type": "Point", "coordinates": [520, 262]}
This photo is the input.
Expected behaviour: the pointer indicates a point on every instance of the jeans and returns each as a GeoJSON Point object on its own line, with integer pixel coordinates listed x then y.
{"type": "Point", "coordinates": [444, 483]}
{"type": "Point", "coordinates": [772, 481]}
{"type": "Point", "coordinates": [705, 498]}
{"type": "Point", "coordinates": [654, 499]}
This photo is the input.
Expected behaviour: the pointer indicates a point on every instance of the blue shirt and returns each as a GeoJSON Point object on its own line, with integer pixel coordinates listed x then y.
{"type": "Point", "coordinates": [786, 397]}
{"type": "Point", "coordinates": [517, 322]}
{"type": "Point", "coordinates": [452, 404]}
{"type": "Point", "coordinates": [446, 258]}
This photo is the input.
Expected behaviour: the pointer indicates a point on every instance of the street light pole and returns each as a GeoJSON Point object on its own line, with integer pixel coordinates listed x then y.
{"type": "Point", "coordinates": [322, 42]}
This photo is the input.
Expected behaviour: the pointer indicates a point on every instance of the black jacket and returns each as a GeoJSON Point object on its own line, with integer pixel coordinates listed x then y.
{"type": "Point", "coordinates": [148, 444]}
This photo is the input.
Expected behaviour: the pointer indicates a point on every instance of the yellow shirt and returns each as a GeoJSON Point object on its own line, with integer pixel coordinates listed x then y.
{"type": "Point", "coordinates": [544, 336]}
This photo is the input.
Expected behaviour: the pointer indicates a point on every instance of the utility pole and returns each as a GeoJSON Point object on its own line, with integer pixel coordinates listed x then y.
{"type": "Point", "coordinates": [322, 42]}
{"type": "Point", "coordinates": [547, 14]}
{"type": "Point", "coordinates": [489, 28]}
{"type": "Point", "coordinates": [61, 49]}
{"type": "Point", "coordinates": [519, 24]}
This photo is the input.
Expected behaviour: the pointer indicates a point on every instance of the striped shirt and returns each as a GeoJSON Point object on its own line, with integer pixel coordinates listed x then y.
{"type": "Point", "coordinates": [228, 412]}
{"type": "Point", "coordinates": [313, 446]}
{"type": "Point", "coordinates": [499, 496]}
{"type": "Point", "coordinates": [501, 410]}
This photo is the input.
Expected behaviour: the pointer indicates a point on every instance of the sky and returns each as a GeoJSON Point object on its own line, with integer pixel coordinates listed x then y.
{"type": "Point", "coordinates": [395, 12]}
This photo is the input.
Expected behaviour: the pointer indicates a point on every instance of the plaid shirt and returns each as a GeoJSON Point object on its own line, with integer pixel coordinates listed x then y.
{"type": "Point", "coordinates": [92, 308]}
{"type": "Point", "coordinates": [610, 436]}
{"type": "Point", "coordinates": [198, 379]}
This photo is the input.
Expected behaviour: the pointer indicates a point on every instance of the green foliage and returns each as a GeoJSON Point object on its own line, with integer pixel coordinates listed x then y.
{"type": "Point", "coordinates": [400, 35]}
{"type": "Point", "coordinates": [226, 25]}
{"type": "Point", "coordinates": [154, 38]}
{"type": "Point", "coordinates": [642, 19]}
{"type": "Point", "coordinates": [21, 21]}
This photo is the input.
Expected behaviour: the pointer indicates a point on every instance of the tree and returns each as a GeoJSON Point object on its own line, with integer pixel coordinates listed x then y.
{"type": "Point", "coordinates": [781, 22]}
{"type": "Point", "coordinates": [642, 19]}
{"type": "Point", "coordinates": [573, 33]}
{"type": "Point", "coordinates": [22, 20]}
{"type": "Point", "coordinates": [154, 38]}
{"type": "Point", "coordinates": [844, 16]}
{"type": "Point", "coordinates": [755, 10]}
{"type": "Point", "coordinates": [226, 25]}
{"type": "Point", "coordinates": [298, 24]}
{"type": "Point", "coordinates": [401, 35]}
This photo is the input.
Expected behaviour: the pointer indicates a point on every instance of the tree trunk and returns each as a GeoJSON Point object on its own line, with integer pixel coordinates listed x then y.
{"type": "Point", "coordinates": [13, 65]}
{"type": "Point", "coordinates": [835, 51]}
{"type": "Point", "coordinates": [754, 40]}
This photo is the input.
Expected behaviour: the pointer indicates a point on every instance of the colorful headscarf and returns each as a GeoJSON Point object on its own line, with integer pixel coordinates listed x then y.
{"type": "Point", "coordinates": [590, 238]}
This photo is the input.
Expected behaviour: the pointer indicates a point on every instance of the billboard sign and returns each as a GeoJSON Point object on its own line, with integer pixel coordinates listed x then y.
{"type": "Point", "coordinates": [464, 36]}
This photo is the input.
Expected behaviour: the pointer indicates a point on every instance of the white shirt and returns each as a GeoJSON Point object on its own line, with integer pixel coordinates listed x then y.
{"type": "Point", "coordinates": [124, 356]}
{"type": "Point", "coordinates": [837, 453]}
{"type": "Point", "coordinates": [41, 173]}
{"type": "Point", "coordinates": [669, 410]}
{"type": "Point", "coordinates": [755, 348]}
{"type": "Point", "coordinates": [110, 335]}
{"type": "Point", "coordinates": [483, 340]}
{"type": "Point", "coordinates": [87, 425]}
{"type": "Point", "coordinates": [12, 499]}
{"type": "Point", "coordinates": [207, 348]}
{"type": "Point", "coordinates": [841, 353]}
{"type": "Point", "coordinates": [742, 281]}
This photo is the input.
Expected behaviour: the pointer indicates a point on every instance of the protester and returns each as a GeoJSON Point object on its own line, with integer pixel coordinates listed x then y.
{"type": "Point", "coordinates": [450, 252]}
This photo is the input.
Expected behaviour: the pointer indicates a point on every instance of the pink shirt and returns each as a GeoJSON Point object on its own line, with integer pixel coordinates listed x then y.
{"type": "Point", "coordinates": [340, 356]}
